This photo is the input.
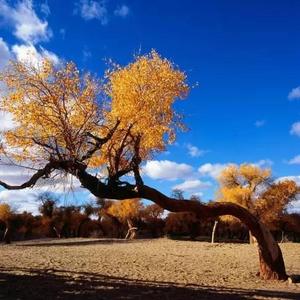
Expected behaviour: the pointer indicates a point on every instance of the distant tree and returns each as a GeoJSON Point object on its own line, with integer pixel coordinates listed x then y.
{"type": "Point", "coordinates": [253, 188]}
{"type": "Point", "coordinates": [128, 211]}
{"type": "Point", "coordinates": [177, 194]}
{"type": "Point", "coordinates": [5, 217]}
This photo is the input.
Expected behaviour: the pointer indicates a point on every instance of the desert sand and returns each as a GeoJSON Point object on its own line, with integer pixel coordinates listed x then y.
{"type": "Point", "coordinates": [140, 269]}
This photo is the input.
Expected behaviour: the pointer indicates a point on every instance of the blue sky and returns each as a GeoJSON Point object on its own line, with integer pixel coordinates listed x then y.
{"type": "Point", "coordinates": [244, 55]}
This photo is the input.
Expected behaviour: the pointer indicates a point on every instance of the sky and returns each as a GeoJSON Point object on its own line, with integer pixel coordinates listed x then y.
{"type": "Point", "coordinates": [241, 57]}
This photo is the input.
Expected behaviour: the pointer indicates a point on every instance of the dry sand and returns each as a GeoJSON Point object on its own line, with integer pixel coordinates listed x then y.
{"type": "Point", "coordinates": [141, 269]}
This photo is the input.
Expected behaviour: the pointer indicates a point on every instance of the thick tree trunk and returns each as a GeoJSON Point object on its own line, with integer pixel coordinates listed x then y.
{"type": "Point", "coordinates": [270, 256]}
{"type": "Point", "coordinates": [214, 232]}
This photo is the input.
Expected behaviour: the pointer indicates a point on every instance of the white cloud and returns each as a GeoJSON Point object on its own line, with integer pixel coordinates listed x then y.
{"type": "Point", "coordinates": [45, 9]}
{"type": "Point", "coordinates": [295, 206]}
{"type": "Point", "coordinates": [7, 122]}
{"type": "Point", "coordinates": [294, 93]}
{"type": "Point", "coordinates": [194, 151]}
{"type": "Point", "coordinates": [4, 54]}
{"type": "Point", "coordinates": [165, 169]}
{"type": "Point", "coordinates": [295, 160]}
{"type": "Point", "coordinates": [22, 200]}
{"type": "Point", "coordinates": [260, 123]}
{"type": "Point", "coordinates": [89, 10]}
{"type": "Point", "coordinates": [122, 11]}
{"type": "Point", "coordinates": [26, 199]}
{"type": "Point", "coordinates": [212, 170]}
{"type": "Point", "coordinates": [30, 54]}
{"type": "Point", "coordinates": [263, 163]}
{"type": "Point", "coordinates": [192, 185]}
{"type": "Point", "coordinates": [295, 130]}
{"type": "Point", "coordinates": [28, 27]}
{"type": "Point", "coordinates": [294, 178]}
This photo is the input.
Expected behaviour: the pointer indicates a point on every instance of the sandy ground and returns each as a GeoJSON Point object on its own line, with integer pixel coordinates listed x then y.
{"type": "Point", "coordinates": [141, 269]}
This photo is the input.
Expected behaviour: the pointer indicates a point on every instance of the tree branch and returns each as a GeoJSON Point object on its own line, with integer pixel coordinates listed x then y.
{"type": "Point", "coordinates": [45, 172]}
{"type": "Point", "coordinates": [99, 141]}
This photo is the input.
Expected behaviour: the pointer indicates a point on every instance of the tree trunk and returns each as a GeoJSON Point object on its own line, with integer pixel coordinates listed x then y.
{"type": "Point", "coordinates": [131, 233]}
{"type": "Point", "coordinates": [6, 237]}
{"type": "Point", "coordinates": [270, 256]}
{"type": "Point", "coordinates": [213, 232]}
{"type": "Point", "coordinates": [252, 239]}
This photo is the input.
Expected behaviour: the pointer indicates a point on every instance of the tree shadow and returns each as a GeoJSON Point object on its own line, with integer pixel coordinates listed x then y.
{"type": "Point", "coordinates": [77, 242]}
{"type": "Point", "coordinates": [34, 284]}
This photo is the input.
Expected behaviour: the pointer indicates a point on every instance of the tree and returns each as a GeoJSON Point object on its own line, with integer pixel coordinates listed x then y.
{"type": "Point", "coordinates": [70, 123]}
{"type": "Point", "coordinates": [127, 211]}
{"type": "Point", "coordinates": [239, 184]}
{"type": "Point", "coordinates": [5, 216]}
{"type": "Point", "coordinates": [252, 187]}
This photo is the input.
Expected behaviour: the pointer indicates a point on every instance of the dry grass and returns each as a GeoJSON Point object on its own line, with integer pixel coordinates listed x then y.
{"type": "Point", "coordinates": [141, 269]}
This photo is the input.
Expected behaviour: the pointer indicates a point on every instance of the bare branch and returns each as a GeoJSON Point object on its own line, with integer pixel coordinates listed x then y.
{"type": "Point", "coordinates": [45, 172]}
{"type": "Point", "coordinates": [99, 142]}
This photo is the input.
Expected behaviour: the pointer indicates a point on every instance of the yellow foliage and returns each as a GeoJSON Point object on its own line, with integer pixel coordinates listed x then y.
{"type": "Point", "coordinates": [50, 107]}
{"type": "Point", "coordinates": [247, 186]}
{"type": "Point", "coordinates": [5, 211]}
{"type": "Point", "coordinates": [126, 209]}
{"type": "Point", "coordinates": [55, 108]}
{"type": "Point", "coordinates": [142, 94]}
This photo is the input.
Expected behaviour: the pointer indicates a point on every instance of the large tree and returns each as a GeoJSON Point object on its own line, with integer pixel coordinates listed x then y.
{"type": "Point", "coordinates": [72, 123]}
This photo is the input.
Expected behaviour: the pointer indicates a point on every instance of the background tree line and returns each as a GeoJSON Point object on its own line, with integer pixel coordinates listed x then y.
{"type": "Point", "coordinates": [247, 185]}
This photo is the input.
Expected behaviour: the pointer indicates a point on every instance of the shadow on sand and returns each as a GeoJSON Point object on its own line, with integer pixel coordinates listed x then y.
{"type": "Point", "coordinates": [77, 242]}
{"type": "Point", "coordinates": [59, 284]}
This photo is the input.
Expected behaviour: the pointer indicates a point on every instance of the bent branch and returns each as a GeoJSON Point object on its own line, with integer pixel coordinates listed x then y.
{"type": "Point", "coordinates": [270, 256]}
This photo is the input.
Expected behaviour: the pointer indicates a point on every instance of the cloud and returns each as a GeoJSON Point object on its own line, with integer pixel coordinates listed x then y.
{"type": "Point", "coordinates": [260, 123]}
{"type": "Point", "coordinates": [294, 93]}
{"type": "Point", "coordinates": [263, 163]}
{"type": "Point", "coordinates": [22, 200]}
{"type": "Point", "coordinates": [295, 130]}
{"type": "Point", "coordinates": [4, 53]}
{"type": "Point", "coordinates": [295, 206]}
{"type": "Point", "coordinates": [192, 185]}
{"type": "Point", "coordinates": [30, 54]}
{"type": "Point", "coordinates": [212, 170]}
{"type": "Point", "coordinates": [45, 9]}
{"type": "Point", "coordinates": [295, 160]}
{"type": "Point", "coordinates": [7, 122]}
{"type": "Point", "coordinates": [28, 27]}
{"type": "Point", "coordinates": [89, 10]}
{"type": "Point", "coordinates": [194, 151]}
{"type": "Point", "coordinates": [168, 170]}
{"type": "Point", "coordinates": [122, 11]}
{"type": "Point", "coordinates": [294, 178]}
{"type": "Point", "coordinates": [26, 199]}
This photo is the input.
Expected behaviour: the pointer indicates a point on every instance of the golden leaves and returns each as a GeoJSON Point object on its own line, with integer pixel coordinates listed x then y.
{"type": "Point", "coordinates": [142, 94]}
{"type": "Point", "coordinates": [126, 209]}
{"type": "Point", "coordinates": [55, 107]}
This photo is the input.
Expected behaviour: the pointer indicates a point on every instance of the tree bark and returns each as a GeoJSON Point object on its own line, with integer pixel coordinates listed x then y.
{"type": "Point", "coordinates": [213, 232]}
{"type": "Point", "coordinates": [270, 256]}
